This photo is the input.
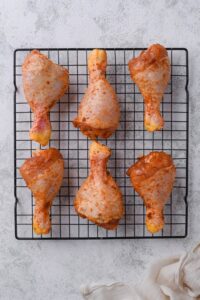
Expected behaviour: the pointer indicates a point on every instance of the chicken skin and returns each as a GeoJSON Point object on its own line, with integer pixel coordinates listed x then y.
{"type": "Point", "coordinates": [152, 177]}
{"type": "Point", "coordinates": [99, 112]}
{"type": "Point", "coordinates": [99, 199]}
{"type": "Point", "coordinates": [43, 174]}
{"type": "Point", "coordinates": [44, 84]}
{"type": "Point", "coordinates": [151, 72]}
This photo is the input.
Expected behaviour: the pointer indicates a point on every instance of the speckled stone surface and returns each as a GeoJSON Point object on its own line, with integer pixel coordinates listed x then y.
{"type": "Point", "coordinates": [55, 269]}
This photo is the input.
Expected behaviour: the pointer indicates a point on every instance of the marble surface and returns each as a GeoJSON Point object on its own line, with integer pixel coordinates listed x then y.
{"type": "Point", "coordinates": [55, 269]}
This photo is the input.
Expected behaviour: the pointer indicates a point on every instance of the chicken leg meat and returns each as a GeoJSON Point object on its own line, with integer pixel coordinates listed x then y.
{"type": "Point", "coordinates": [151, 72]}
{"type": "Point", "coordinates": [43, 174]}
{"type": "Point", "coordinates": [153, 177]}
{"type": "Point", "coordinates": [99, 199]}
{"type": "Point", "coordinates": [99, 112]}
{"type": "Point", "coordinates": [44, 84]}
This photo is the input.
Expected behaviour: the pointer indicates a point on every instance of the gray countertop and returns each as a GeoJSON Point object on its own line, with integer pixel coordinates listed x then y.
{"type": "Point", "coordinates": [56, 269]}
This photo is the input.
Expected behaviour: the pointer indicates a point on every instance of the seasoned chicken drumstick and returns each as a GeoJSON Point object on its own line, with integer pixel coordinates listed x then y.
{"type": "Point", "coordinates": [99, 199]}
{"type": "Point", "coordinates": [153, 177]}
{"type": "Point", "coordinates": [99, 112]}
{"type": "Point", "coordinates": [151, 72]}
{"type": "Point", "coordinates": [43, 174]}
{"type": "Point", "coordinates": [44, 83]}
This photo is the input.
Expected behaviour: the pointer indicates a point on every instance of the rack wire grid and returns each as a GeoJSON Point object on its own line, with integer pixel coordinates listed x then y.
{"type": "Point", "coordinates": [128, 143]}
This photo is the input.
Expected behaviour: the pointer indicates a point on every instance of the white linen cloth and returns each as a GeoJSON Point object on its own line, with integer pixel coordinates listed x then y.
{"type": "Point", "coordinates": [175, 278]}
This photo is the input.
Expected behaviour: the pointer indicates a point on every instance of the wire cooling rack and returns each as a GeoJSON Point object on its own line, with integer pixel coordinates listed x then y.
{"type": "Point", "coordinates": [128, 143]}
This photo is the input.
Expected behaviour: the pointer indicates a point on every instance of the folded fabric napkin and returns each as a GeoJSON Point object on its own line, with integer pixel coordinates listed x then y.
{"type": "Point", "coordinates": [175, 278]}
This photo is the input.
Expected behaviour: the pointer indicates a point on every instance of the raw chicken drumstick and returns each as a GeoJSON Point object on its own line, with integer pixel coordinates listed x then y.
{"type": "Point", "coordinates": [43, 174]}
{"type": "Point", "coordinates": [99, 199]}
{"type": "Point", "coordinates": [44, 84]}
{"type": "Point", "coordinates": [153, 177]}
{"type": "Point", "coordinates": [151, 72]}
{"type": "Point", "coordinates": [99, 112]}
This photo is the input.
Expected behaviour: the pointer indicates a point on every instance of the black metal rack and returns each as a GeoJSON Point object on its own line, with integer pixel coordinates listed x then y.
{"type": "Point", "coordinates": [129, 142]}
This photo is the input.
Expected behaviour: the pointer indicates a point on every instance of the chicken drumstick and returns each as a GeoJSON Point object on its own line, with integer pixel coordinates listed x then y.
{"type": "Point", "coordinates": [151, 72]}
{"type": "Point", "coordinates": [99, 199]}
{"type": "Point", "coordinates": [99, 112]}
{"type": "Point", "coordinates": [44, 84]}
{"type": "Point", "coordinates": [153, 177]}
{"type": "Point", "coordinates": [43, 174]}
